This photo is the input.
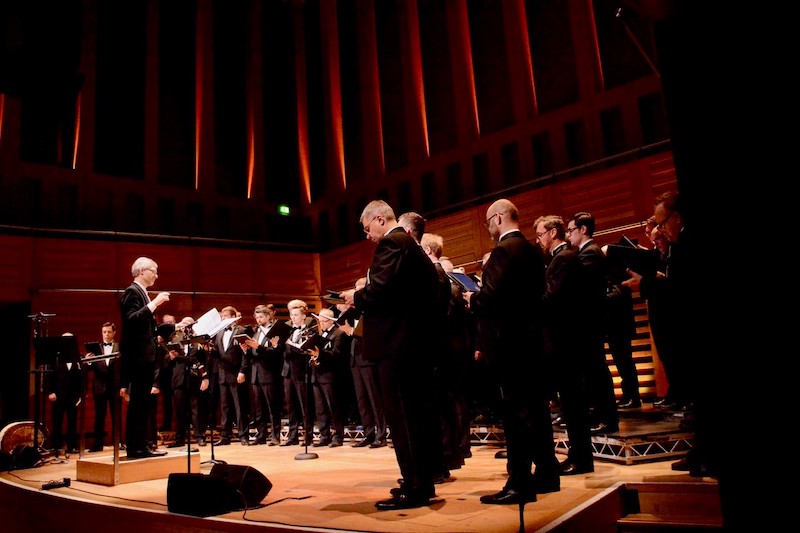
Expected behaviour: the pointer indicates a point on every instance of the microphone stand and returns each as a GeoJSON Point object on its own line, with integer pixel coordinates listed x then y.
{"type": "Point", "coordinates": [306, 454]}
{"type": "Point", "coordinates": [211, 411]}
{"type": "Point", "coordinates": [187, 401]}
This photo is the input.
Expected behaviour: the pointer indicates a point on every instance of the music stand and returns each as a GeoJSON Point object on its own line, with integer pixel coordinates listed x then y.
{"type": "Point", "coordinates": [51, 351]}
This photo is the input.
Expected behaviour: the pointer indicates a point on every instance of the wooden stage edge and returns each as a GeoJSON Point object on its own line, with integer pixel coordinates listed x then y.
{"type": "Point", "coordinates": [336, 491]}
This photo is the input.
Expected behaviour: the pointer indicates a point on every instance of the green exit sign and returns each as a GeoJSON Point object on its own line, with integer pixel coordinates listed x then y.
{"type": "Point", "coordinates": [284, 210]}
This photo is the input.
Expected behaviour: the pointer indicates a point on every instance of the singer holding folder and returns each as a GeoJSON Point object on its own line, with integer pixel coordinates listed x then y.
{"type": "Point", "coordinates": [400, 295]}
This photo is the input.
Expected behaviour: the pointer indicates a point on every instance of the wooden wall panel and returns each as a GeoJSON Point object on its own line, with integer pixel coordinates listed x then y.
{"type": "Point", "coordinates": [69, 264]}
{"type": "Point", "coordinates": [341, 268]}
{"type": "Point", "coordinates": [464, 237]}
{"type": "Point", "coordinates": [16, 267]}
{"type": "Point", "coordinates": [607, 195]}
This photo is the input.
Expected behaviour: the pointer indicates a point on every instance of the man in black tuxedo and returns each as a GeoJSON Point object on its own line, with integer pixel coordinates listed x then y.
{"type": "Point", "coordinates": [508, 307]}
{"type": "Point", "coordinates": [188, 378]}
{"type": "Point", "coordinates": [329, 360]}
{"type": "Point", "coordinates": [599, 383]}
{"type": "Point", "coordinates": [233, 367]}
{"type": "Point", "coordinates": [295, 367]}
{"type": "Point", "coordinates": [397, 303]}
{"type": "Point", "coordinates": [103, 384]}
{"type": "Point", "coordinates": [64, 389]}
{"type": "Point", "coordinates": [138, 353]}
{"type": "Point", "coordinates": [564, 300]}
{"type": "Point", "coordinates": [266, 350]}
{"type": "Point", "coordinates": [365, 378]}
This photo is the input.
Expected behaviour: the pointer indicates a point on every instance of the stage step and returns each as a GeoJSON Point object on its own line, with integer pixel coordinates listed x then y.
{"type": "Point", "coordinates": [654, 507]}
{"type": "Point", "coordinates": [100, 469]}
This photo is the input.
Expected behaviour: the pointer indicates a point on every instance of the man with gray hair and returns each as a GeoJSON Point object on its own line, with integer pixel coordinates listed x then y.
{"type": "Point", "coordinates": [138, 353]}
{"type": "Point", "coordinates": [401, 294]}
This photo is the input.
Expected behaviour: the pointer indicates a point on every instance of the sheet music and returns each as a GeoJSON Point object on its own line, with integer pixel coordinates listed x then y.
{"type": "Point", "coordinates": [212, 323]}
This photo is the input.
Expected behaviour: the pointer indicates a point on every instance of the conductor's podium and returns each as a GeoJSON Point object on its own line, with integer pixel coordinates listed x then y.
{"type": "Point", "coordinates": [99, 469]}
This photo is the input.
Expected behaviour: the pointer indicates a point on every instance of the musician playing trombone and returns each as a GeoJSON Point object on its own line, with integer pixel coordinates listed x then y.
{"type": "Point", "coordinates": [189, 378]}
{"type": "Point", "coordinates": [329, 360]}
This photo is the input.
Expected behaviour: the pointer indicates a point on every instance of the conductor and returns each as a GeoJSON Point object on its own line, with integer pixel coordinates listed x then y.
{"type": "Point", "coordinates": [138, 353]}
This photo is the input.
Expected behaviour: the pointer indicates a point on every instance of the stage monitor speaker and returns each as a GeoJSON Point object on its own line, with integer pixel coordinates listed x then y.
{"type": "Point", "coordinates": [200, 495]}
{"type": "Point", "coordinates": [249, 483]}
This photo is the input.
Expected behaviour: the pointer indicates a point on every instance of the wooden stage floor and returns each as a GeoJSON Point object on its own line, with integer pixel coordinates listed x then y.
{"type": "Point", "coordinates": [334, 492]}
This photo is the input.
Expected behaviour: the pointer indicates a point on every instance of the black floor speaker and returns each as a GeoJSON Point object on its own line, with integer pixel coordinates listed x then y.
{"type": "Point", "coordinates": [200, 495]}
{"type": "Point", "coordinates": [250, 485]}
{"type": "Point", "coordinates": [227, 488]}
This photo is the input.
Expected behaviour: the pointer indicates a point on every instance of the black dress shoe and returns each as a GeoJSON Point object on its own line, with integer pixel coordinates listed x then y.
{"type": "Point", "coordinates": [568, 468]}
{"type": "Point", "coordinates": [321, 443]}
{"type": "Point", "coordinates": [96, 448]}
{"type": "Point", "coordinates": [274, 442]}
{"type": "Point", "coordinates": [378, 444]}
{"type": "Point", "coordinates": [404, 500]}
{"type": "Point", "coordinates": [245, 441]}
{"type": "Point", "coordinates": [335, 443]}
{"type": "Point", "coordinates": [362, 443]}
{"type": "Point", "coordinates": [394, 491]}
{"type": "Point", "coordinates": [442, 477]}
{"type": "Point", "coordinates": [604, 428]}
{"type": "Point", "coordinates": [629, 404]}
{"type": "Point", "coordinates": [143, 454]}
{"type": "Point", "coordinates": [294, 442]}
{"type": "Point", "coordinates": [664, 403]}
{"type": "Point", "coordinates": [223, 442]}
{"type": "Point", "coordinates": [682, 465]}
{"type": "Point", "coordinates": [509, 496]}
{"type": "Point", "coordinates": [176, 444]}
{"type": "Point", "coordinates": [201, 442]}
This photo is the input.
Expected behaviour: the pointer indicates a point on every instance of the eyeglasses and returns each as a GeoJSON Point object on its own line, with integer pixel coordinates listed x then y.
{"type": "Point", "coordinates": [489, 220]}
{"type": "Point", "coordinates": [539, 235]}
{"type": "Point", "coordinates": [570, 230]}
{"type": "Point", "coordinates": [366, 228]}
{"type": "Point", "coordinates": [664, 222]}
{"type": "Point", "coordinates": [153, 270]}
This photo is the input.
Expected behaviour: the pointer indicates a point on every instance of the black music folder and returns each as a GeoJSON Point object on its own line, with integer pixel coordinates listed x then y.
{"type": "Point", "coordinates": [639, 260]}
{"type": "Point", "coordinates": [334, 297]}
{"type": "Point", "coordinates": [93, 347]}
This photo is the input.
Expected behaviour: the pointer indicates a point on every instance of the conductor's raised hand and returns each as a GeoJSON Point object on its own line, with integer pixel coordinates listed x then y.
{"type": "Point", "coordinates": [161, 298]}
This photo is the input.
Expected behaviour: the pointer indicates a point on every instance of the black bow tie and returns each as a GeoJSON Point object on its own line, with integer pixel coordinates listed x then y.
{"type": "Point", "coordinates": [229, 328]}
{"type": "Point", "coordinates": [108, 344]}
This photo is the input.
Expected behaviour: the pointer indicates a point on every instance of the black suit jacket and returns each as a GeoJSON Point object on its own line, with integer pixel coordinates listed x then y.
{"type": "Point", "coordinates": [399, 298]}
{"type": "Point", "coordinates": [509, 309]}
{"type": "Point", "coordinates": [295, 362]}
{"type": "Point", "coordinates": [103, 381]}
{"type": "Point", "coordinates": [231, 360]}
{"type": "Point", "coordinates": [195, 360]}
{"type": "Point", "coordinates": [138, 337]}
{"type": "Point", "coordinates": [334, 351]}
{"type": "Point", "coordinates": [564, 297]}
{"type": "Point", "coordinates": [66, 383]}
{"type": "Point", "coordinates": [267, 361]}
